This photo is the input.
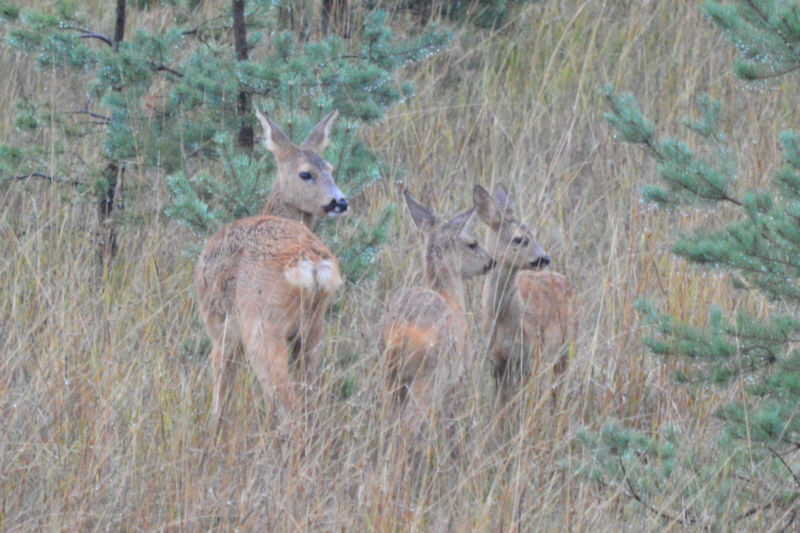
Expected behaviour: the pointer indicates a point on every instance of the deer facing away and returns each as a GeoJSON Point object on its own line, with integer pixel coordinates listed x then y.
{"type": "Point", "coordinates": [263, 282]}
{"type": "Point", "coordinates": [424, 332]}
{"type": "Point", "coordinates": [528, 314]}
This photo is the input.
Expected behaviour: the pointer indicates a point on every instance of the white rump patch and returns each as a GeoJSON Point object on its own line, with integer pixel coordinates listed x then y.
{"type": "Point", "coordinates": [309, 275]}
{"type": "Point", "coordinates": [301, 275]}
{"type": "Point", "coordinates": [328, 276]}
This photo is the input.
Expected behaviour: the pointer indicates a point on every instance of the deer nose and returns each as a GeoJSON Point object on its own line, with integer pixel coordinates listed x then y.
{"type": "Point", "coordinates": [490, 266]}
{"type": "Point", "coordinates": [540, 262]}
{"type": "Point", "coordinates": [336, 207]}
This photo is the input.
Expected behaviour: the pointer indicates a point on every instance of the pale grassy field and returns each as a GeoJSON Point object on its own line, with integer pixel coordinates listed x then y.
{"type": "Point", "coordinates": [105, 388]}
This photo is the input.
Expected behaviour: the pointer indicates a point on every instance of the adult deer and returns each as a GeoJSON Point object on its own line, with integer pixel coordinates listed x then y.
{"type": "Point", "coordinates": [527, 314]}
{"type": "Point", "coordinates": [263, 282]}
{"type": "Point", "coordinates": [424, 330]}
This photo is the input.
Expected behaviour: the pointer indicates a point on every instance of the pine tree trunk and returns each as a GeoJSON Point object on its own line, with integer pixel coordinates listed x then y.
{"type": "Point", "coordinates": [107, 233]}
{"type": "Point", "coordinates": [334, 17]}
{"type": "Point", "coordinates": [243, 100]}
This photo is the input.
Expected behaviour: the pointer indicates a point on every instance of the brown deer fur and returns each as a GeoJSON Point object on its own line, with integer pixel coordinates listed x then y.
{"type": "Point", "coordinates": [263, 282]}
{"type": "Point", "coordinates": [424, 330]}
{"type": "Point", "coordinates": [527, 314]}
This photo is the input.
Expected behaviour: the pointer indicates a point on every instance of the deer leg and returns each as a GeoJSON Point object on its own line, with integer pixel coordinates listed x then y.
{"type": "Point", "coordinates": [224, 370]}
{"type": "Point", "coordinates": [312, 347]}
{"type": "Point", "coordinates": [269, 357]}
{"type": "Point", "coordinates": [501, 372]}
{"type": "Point", "coordinates": [559, 368]}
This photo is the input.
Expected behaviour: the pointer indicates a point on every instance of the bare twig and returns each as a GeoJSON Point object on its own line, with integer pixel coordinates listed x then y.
{"type": "Point", "coordinates": [102, 118]}
{"type": "Point", "coordinates": [754, 510]}
{"type": "Point", "coordinates": [45, 177]}
{"type": "Point", "coordinates": [788, 468]}
{"type": "Point", "coordinates": [163, 68]}
{"type": "Point", "coordinates": [86, 34]}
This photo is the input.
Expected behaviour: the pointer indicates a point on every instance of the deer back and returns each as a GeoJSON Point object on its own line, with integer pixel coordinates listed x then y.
{"type": "Point", "coordinates": [264, 264]}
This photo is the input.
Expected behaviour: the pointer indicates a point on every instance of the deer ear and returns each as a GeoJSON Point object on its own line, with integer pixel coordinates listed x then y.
{"type": "Point", "coordinates": [423, 217]}
{"type": "Point", "coordinates": [320, 136]}
{"type": "Point", "coordinates": [460, 221]}
{"type": "Point", "coordinates": [501, 197]}
{"type": "Point", "coordinates": [486, 207]}
{"type": "Point", "coordinates": [274, 139]}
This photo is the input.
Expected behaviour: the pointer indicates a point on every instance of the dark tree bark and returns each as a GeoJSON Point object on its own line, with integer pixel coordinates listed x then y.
{"type": "Point", "coordinates": [119, 27]}
{"type": "Point", "coordinates": [334, 17]}
{"type": "Point", "coordinates": [246, 136]}
{"type": "Point", "coordinates": [107, 231]}
{"type": "Point", "coordinates": [108, 245]}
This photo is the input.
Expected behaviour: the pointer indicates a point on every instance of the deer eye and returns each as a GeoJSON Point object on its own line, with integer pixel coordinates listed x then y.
{"type": "Point", "coordinates": [306, 176]}
{"type": "Point", "coordinates": [517, 240]}
{"type": "Point", "coordinates": [473, 246]}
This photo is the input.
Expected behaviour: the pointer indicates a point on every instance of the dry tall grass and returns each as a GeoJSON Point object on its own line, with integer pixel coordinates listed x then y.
{"type": "Point", "coordinates": [105, 389]}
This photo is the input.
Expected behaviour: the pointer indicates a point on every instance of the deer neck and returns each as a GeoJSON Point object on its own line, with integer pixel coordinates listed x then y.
{"type": "Point", "coordinates": [441, 279]}
{"type": "Point", "coordinates": [500, 292]}
{"type": "Point", "coordinates": [278, 207]}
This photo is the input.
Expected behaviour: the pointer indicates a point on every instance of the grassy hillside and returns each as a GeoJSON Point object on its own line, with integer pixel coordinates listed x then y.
{"type": "Point", "coordinates": [104, 385]}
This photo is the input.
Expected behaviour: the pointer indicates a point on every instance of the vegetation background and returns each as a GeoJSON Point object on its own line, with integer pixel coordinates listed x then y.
{"type": "Point", "coordinates": [105, 388]}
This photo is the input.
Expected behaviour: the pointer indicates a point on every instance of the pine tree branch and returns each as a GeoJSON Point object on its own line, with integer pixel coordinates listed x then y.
{"type": "Point", "coordinates": [86, 34]}
{"type": "Point", "coordinates": [164, 68]}
{"type": "Point", "coordinates": [666, 516]}
{"type": "Point", "coordinates": [767, 25]}
{"type": "Point", "coordinates": [763, 16]}
{"type": "Point", "coordinates": [723, 197]}
{"type": "Point", "coordinates": [401, 53]}
{"type": "Point", "coordinates": [780, 73]}
{"type": "Point", "coordinates": [648, 141]}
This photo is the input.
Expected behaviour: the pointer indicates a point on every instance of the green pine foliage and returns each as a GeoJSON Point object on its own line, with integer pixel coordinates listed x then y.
{"type": "Point", "coordinates": [485, 14]}
{"type": "Point", "coordinates": [752, 468]}
{"type": "Point", "coordinates": [759, 250]}
{"type": "Point", "coordinates": [168, 99]}
{"type": "Point", "coordinates": [766, 32]}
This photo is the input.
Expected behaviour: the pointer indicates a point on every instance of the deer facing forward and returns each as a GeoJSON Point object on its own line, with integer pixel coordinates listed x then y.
{"type": "Point", "coordinates": [528, 314]}
{"type": "Point", "coordinates": [263, 282]}
{"type": "Point", "coordinates": [424, 330]}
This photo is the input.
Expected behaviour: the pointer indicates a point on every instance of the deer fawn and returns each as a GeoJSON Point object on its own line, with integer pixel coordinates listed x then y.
{"type": "Point", "coordinates": [263, 282]}
{"type": "Point", "coordinates": [424, 330]}
{"type": "Point", "coordinates": [528, 314]}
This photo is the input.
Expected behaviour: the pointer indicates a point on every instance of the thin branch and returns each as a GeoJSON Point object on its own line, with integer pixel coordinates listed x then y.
{"type": "Point", "coordinates": [789, 523]}
{"type": "Point", "coordinates": [754, 510]}
{"type": "Point", "coordinates": [86, 34]}
{"type": "Point", "coordinates": [163, 68]}
{"type": "Point", "coordinates": [104, 119]}
{"type": "Point", "coordinates": [788, 468]}
{"type": "Point", "coordinates": [662, 514]}
{"type": "Point", "coordinates": [724, 197]}
{"type": "Point", "coordinates": [45, 177]}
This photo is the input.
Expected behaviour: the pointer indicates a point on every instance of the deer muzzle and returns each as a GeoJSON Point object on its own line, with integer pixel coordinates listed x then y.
{"type": "Point", "coordinates": [335, 207]}
{"type": "Point", "coordinates": [540, 262]}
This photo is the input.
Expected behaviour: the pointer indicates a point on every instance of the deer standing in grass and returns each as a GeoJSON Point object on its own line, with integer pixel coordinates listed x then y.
{"type": "Point", "coordinates": [263, 282]}
{"type": "Point", "coordinates": [528, 314]}
{"type": "Point", "coordinates": [425, 334]}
